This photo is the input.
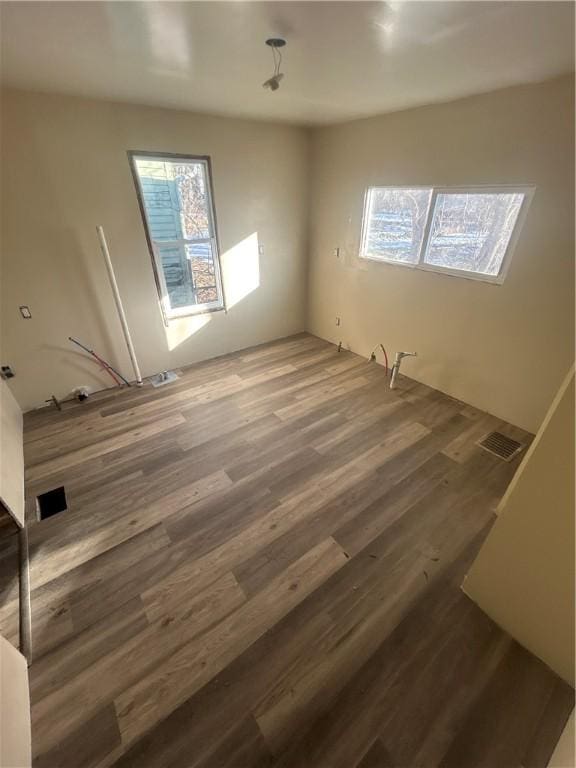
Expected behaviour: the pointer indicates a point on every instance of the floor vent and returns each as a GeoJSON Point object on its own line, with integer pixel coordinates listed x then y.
{"type": "Point", "coordinates": [51, 502]}
{"type": "Point", "coordinates": [500, 445]}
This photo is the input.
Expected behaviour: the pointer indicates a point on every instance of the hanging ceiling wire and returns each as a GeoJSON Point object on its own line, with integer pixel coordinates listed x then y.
{"type": "Point", "coordinates": [275, 43]}
{"type": "Point", "coordinates": [277, 57]}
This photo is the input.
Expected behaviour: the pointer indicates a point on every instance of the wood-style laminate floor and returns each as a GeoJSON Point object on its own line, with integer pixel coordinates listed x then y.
{"type": "Point", "coordinates": [260, 566]}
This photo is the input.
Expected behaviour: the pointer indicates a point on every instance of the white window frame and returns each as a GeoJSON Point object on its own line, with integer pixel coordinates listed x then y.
{"type": "Point", "coordinates": [527, 191]}
{"type": "Point", "coordinates": [168, 312]}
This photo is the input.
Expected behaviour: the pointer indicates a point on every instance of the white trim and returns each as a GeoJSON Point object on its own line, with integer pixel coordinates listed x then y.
{"type": "Point", "coordinates": [525, 190]}
{"type": "Point", "coordinates": [427, 228]}
{"type": "Point", "coordinates": [194, 309]}
{"type": "Point", "coordinates": [183, 240]}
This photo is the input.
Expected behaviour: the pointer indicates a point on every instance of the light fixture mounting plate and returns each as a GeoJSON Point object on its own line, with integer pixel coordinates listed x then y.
{"type": "Point", "coordinates": [276, 42]}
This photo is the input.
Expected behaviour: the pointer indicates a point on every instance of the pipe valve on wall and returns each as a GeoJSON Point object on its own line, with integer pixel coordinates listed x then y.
{"type": "Point", "coordinates": [396, 366]}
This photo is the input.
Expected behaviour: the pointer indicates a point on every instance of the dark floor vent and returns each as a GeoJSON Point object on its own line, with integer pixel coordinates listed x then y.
{"type": "Point", "coordinates": [51, 502]}
{"type": "Point", "coordinates": [500, 445]}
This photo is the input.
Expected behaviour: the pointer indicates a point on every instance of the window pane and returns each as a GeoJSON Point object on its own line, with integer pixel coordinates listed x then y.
{"type": "Point", "coordinates": [471, 231]}
{"type": "Point", "coordinates": [177, 276]}
{"type": "Point", "coordinates": [394, 222]}
{"type": "Point", "coordinates": [175, 199]}
{"type": "Point", "coordinates": [160, 197]}
{"type": "Point", "coordinates": [192, 199]}
{"type": "Point", "coordinates": [189, 274]}
{"type": "Point", "coordinates": [203, 272]}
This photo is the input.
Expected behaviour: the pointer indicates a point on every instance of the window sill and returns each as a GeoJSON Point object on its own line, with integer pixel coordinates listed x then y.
{"type": "Point", "coordinates": [446, 271]}
{"type": "Point", "coordinates": [194, 313]}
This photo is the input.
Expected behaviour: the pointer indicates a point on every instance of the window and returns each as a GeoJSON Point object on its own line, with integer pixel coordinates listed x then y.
{"type": "Point", "coordinates": [176, 203]}
{"type": "Point", "coordinates": [467, 232]}
{"type": "Point", "coordinates": [395, 222]}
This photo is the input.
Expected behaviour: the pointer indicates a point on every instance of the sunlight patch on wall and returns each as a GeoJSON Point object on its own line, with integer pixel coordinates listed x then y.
{"type": "Point", "coordinates": [241, 269]}
{"type": "Point", "coordinates": [182, 328]}
{"type": "Point", "coordinates": [241, 273]}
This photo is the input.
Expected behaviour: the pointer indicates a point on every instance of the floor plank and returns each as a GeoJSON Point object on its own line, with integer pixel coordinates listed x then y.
{"type": "Point", "coordinates": [260, 565]}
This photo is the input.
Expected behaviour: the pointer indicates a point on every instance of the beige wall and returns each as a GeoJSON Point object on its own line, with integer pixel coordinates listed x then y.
{"type": "Point", "coordinates": [563, 756]}
{"type": "Point", "coordinates": [501, 348]}
{"type": "Point", "coordinates": [15, 739]}
{"type": "Point", "coordinates": [523, 576]}
{"type": "Point", "coordinates": [65, 170]}
{"type": "Point", "coordinates": [11, 454]}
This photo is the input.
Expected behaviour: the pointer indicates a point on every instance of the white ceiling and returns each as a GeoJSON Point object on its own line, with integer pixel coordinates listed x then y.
{"type": "Point", "coordinates": [342, 60]}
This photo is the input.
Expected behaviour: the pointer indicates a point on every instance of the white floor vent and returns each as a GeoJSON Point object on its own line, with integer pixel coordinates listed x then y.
{"type": "Point", "coordinates": [500, 445]}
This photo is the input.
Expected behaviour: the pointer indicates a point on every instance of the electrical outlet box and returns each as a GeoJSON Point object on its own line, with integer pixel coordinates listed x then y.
{"type": "Point", "coordinates": [25, 312]}
{"type": "Point", "coordinates": [6, 372]}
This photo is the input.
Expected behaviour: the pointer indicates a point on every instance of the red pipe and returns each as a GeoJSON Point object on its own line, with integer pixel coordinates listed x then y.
{"type": "Point", "coordinates": [107, 367]}
{"type": "Point", "coordinates": [385, 359]}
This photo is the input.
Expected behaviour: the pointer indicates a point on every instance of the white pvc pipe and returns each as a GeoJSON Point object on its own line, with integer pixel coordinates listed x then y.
{"type": "Point", "coordinates": [118, 301]}
{"type": "Point", "coordinates": [396, 367]}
